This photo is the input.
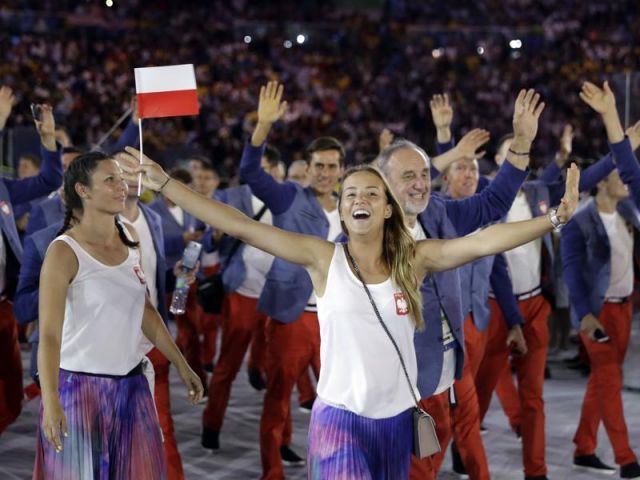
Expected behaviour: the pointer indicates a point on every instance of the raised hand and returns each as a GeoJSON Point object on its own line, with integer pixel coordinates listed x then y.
{"type": "Point", "coordinates": [569, 202]}
{"type": "Point", "coordinates": [46, 126]}
{"type": "Point", "coordinates": [633, 132]}
{"type": "Point", "coordinates": [566, 145]}
{"type": "Point", "coordinates": [385, 139]}
{"type": "Point", "coordinates": [153, 176]}
{"type": "Point", "coordinates": [271, 107]}
{"type": "Point", "coordinates": [602, 100]}
{"type": "Point", "coordinates": [471, 142]}
{"type": "Point", "coordinates": [526, 114]}
{"type": "Point", "coordinates": [441, 111]}
{"type": "Point", "coordinates": [6, 104]}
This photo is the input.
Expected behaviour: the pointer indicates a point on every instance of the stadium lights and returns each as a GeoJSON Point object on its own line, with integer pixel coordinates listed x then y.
{"type": "Point", "coordinates": [109, 3]}
{"type": "Point", "coordinates": [247, 39]}
{"type": "Point", "coordinates": [300, 39]}
{"type": "Point", "coordinates": [288, 44]}
{"type": "Point", "coordinates": [515, 43]}
{"type": "Point", "coordinates": [480, 50]}
{"type": "Point", "coordinates": [436, 53]}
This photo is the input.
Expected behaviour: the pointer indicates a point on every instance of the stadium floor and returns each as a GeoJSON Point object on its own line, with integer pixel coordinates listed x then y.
{"type": "Point", "coordinates": [239, 457]}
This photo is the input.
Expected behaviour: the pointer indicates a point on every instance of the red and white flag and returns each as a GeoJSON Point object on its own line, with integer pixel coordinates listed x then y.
{"type": "Point", "coordinates": [166, 91]}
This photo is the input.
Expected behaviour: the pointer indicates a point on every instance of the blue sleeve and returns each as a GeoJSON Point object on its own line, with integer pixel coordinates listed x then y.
{"type": "Point", "coordinates": [628, 167]}
{"type": "Point", "coordinates": [573, 249]}
{"type": "Point", "coordinates": [278, 197]}
{"type": "Point", "coordinates": [589, 178]}
{"type": "Point", "coordinates": [36, 220]}
{"type": "Point", "coordinates": [551, 173]}
{"type": "Point", "coordinates": [493, 203]}
{"type": "Point", "coordinates": [130, 137]}
{"type": "Point", "coordinates": [208, 244]}
{"type": "Point", "coordinates": [173, 245]}
{"type": "Point", "coordinates": [48, 180]}
{"type": "Point", "coordinates": [25, 302]}
{"type": "Point", "coordinates": [503, 291]}
{"type": "Point", "coordinates": [440, 149]}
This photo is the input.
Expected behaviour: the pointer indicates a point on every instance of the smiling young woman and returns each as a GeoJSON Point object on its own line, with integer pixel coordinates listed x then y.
{"type": "Point", "coordinates": [361, 424]}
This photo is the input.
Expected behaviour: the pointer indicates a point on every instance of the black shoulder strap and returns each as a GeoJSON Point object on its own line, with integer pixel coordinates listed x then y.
{"type": "Point", "coordinates": [237, 243]}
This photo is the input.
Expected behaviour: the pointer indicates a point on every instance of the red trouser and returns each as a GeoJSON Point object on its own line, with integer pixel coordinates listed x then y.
{"type": "Point", "coordinates": [163, 406]}
{"type": "Point", "coordinates": [291, 348]}
{"type": "Point", "coordinates": [188, 337]}
{"type": "Point", "coordinates": [10, 367]}
{"type": "Point", "coordinates": [438, 407]}
{"type": "Point", "coordinates": [507, 393]}
{"type": "Point", "coordinates": [209, 323]}
{"type": "Point", "coordinates": [257, 360]}
{"type": "Point", "coordinates": [241, 320]}
{"type": "Point", "coordinates": [465, 416]}
{"type": "Point", "coordinates": [603, 398]}
{"type": "Point", "coordinates": [530, 372]}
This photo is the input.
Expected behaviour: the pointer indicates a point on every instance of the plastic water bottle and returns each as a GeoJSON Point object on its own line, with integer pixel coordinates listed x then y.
{"type": "Point", "coordinates": [179, 300]}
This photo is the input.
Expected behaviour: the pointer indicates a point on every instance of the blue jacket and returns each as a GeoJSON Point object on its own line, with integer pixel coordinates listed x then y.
{"type": "Point", "coordinates": [288, 286]}
{"type": "Point", "coordinates": [585, 247]}
{"type": "Point", "coordinates": [233, 269]}
{"type": "Point", "coordinates": [450, 219]}
{"type": "Point", "coordinates": [46, 213]}
{"type": "Point", "coordinates": [20, 191]}
{"type": "Point", "coordinates": [172, 231]}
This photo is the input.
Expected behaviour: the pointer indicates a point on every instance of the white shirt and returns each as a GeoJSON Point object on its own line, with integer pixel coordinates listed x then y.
{"type": "Point", "coordinates": [335, 229]}
{"type": "Point", "coordinates": [103, 311]}
{"type": "Point", "coordinates": [257, 263]}
{"type": "Point", "coordinates": [448, 374]}
{"type": "Point", "coordinates": [621, 242]}
{"type": "Point", "coordinates": [361, 371]}
{"type": "Point", "coordinates": [178, 214]}
{"type": "Point", "coordinates": [524, 261]}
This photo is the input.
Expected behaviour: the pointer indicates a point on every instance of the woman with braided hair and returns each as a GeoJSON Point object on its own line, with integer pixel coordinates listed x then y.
{"type": "Point", "coordinates": [98, 419]}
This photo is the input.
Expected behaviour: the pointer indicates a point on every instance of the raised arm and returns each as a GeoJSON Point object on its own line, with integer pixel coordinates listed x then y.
{"type": "Point", "coordinates": [438, 255]}
{"type": "Point", "coordinates": [277, 196]}
{"type": "Point", "coordinates": [59, 267]}
{"type": "Point", "coordinates": [552, 172]}
{"type": "Point", "coordinates": [50, 176]}
{"type": "Point", "coordinates": [130, 136]}
{"type": "Point", "coordinates": [6, 105]}
{"type": "Point", "coordinates": [305, 250]}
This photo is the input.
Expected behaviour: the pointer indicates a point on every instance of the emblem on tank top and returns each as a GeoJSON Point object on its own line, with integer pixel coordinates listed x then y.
{"type": "Point", "coordinates": [140, 274]}
{"type": "Point", "coordinates": [402, 307]}
{"type": "Point", "coordinates": [543, 207]}
{"type": "Point", "coordinates": [4, 207]}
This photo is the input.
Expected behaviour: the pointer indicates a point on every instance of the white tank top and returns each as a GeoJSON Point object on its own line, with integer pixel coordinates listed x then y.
{"type": "Point", "coordinates": [103, 315]}
{"type": "Point", "coordinates": [361, 370]}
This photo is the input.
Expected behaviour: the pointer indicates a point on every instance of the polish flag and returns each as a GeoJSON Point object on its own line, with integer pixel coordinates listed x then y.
{"type": "Point", "coordinates": [166, 91]}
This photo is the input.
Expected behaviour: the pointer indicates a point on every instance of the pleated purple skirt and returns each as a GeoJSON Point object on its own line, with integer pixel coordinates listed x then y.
{"type": "Point", "coordinates": [344, 446]}
{"type": "Point", "coordinates": [113, 432]}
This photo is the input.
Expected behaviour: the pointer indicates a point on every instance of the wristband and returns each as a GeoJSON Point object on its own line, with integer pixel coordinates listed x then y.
{"type": "Point", "coordinates": [521, 154]}
{"type": "Point", "coordinates": [165, 183]}
{"type": "Point", "coordinates": [555, 220]}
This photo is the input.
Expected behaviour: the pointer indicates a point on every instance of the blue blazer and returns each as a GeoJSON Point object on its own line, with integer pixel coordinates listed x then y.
{"type": "Point", "coordinates": [585, 247]}
{"type": "Point", "coordinates": [46, 213]}
{"type": "Point", "coordinates": [172, 231]}
{"type": "Point", "coordinates": [25, 304]}
{"type": "Point", "coordinates": [20, 191]}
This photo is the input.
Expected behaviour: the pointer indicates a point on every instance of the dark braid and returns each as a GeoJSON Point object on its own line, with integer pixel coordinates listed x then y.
{"type": "Point", "coordinates": [124, 237]}
{"type": "Point", "coordinates": [80, 171]}
{"type": "Point", "coordinates": [68, 217]}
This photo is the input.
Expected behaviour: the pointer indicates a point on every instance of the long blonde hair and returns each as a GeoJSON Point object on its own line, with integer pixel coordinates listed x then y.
{"type": "Point", "coordinates": [398, 247]}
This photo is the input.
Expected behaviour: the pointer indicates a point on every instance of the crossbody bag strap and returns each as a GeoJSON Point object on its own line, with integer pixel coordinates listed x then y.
{"type": "Point", "coordinates": [384, 326]}
{"type": "Point", "coordinates": [237, 243]}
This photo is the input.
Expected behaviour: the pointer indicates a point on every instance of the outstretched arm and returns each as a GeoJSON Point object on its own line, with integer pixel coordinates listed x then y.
{"type": "Point", "coordinates": [438, 255]}
{"type": "Point", "coordinates": [305, 250]}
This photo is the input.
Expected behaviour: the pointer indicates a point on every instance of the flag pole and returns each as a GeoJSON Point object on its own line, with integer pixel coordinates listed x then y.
{"type": "Point", "coordinates": [140, 174]}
